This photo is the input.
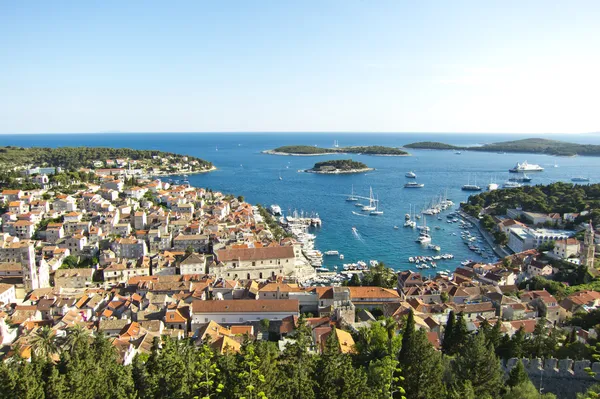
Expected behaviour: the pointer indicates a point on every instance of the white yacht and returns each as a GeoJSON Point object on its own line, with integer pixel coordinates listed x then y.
{"type": "Point", "coordinates": [511, 184]}
{"type": "Point", "coordinates": [526, 167]}
{"type": "Point", "coordinates": [275, 210]}
{"type": "Point", "coordinates": [332, 253]}
{"type": "Point", "coordinates": [492, 187]}
{"type": "Point", "coordinates": [411, 175]}
{"type": "Point", "coordinates": [370, 207]}
{"type": "Point", "coordinates": [424, 238]}
{"type": "Point", "coordinates": [376, 211]}
{"type": "Point", "coordinates": [352, 198]}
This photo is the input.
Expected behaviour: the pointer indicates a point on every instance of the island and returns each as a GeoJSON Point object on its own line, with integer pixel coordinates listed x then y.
{"type": "Point", "coordinates": [307, 150]}
{"type": "Point", "coordinates": [40, 160]}
{"type": "Point", "coordinates": [530, 145]}
{"type": "Point", "coordinates": [339, 166]}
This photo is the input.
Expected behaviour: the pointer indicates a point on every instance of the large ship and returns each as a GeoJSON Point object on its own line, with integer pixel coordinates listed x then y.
{"type": "Point", "coordinates": [526, 167]}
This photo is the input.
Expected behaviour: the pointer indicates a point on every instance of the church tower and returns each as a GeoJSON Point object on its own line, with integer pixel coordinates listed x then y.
{"type": "Point", "coordinates": [588, 248]}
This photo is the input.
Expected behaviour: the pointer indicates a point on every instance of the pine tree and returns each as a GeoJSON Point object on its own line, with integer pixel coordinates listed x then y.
{"type": "Point", "coordinates": [516, 347]}
{"type": "Point", "coordinates": [517, 375]}
{"type": "Point", "coordinates": [448, 340]}
{"type": "Point", "coordinates": [408, 333]}
{"type": "Point", "coordinates": [421, 367]}
{"type": "Point", "coordinates": [495, 335]}
{"type": "Point", "coordinates": [477, 363]}
{"type": "Point", "coordinates": [526, 390]}
{"type": "Point", "coordinates": [298, 366]}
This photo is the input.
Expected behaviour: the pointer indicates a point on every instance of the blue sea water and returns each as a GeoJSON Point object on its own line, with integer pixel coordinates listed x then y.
{"type": "Point", "coordinates": [244, 170]}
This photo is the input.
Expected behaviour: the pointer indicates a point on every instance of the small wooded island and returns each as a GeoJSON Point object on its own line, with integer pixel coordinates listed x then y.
{"type": "Point", "coordinates": [339, 166]}
{"type": "Point", "coordinates": [533, 146]}
{"type": "Point", "coordinates": [307, 150]}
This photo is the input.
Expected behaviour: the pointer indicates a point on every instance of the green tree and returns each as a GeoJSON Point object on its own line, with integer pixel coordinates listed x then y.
{"type": "Point", "coordinates": [421, 367]}
{"type": "Point", "coordinates": [526, 390]}
{"type": "Point", "coordinates": [476, 362]}
{"type": "Point", "coordinates": [517, 375]}
{"type": "Point", "coordinates": [43, 342]}
{"type": "Point", "coordinates": [298, 366]}
{"type": "Point", "coordinates": [251, 380]}
{"type": "Point", "coordinates": [448, 342]}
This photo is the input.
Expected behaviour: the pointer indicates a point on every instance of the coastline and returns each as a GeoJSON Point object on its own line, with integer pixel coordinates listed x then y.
{"type": "Point", "coordinates": [271, 152]}
{"type": "Point", "coordinates": [196, 172]}
{"type": "Point", "coordinates": [339, 172]}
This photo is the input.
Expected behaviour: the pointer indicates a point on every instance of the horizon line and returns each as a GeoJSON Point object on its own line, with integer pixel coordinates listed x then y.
{"type": "Point", "coordinates": [289, 131]}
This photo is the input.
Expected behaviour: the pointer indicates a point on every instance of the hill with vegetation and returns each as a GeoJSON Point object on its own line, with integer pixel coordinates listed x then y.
{"type": "Point", "coordinates": [532, 145]}
{"type": "Point", "coordinates": [432, 145]}
{"type": "Point", "coordinates": [72, 158]}
{"type": "Point", "coordinates": [339, 166]}
{"type": "Point", "coordinates": [312, 150]}
{"type": "Point", "coordinates": [556, 197]}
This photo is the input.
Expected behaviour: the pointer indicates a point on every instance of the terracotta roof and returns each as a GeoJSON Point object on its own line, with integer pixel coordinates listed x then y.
{"type": "Point", "coordinates": [245, 306]}
{"type": "Point", "coordinates": [372, 292]}
{"type": "Point", "coordinates": [250, 254]}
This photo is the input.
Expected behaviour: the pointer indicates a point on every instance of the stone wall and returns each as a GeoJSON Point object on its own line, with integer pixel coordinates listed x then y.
{"type": "Point", "coordinates": [564, 378]}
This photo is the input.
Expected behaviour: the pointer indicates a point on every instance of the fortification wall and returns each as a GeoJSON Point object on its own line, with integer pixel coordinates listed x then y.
{"type": "Point", "coordinates": [564, 378]}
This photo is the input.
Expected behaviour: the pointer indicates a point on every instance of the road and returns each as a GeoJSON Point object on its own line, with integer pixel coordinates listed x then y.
{"type": "Point", "coordinates": [498, 250]}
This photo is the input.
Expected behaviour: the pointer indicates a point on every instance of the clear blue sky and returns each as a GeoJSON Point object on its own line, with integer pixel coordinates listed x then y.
{"type": "Point", "coordinates": [521, 66]}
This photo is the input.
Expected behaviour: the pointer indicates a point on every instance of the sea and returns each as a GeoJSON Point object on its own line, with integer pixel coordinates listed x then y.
{"type": "Point", "coordinates": [242, 169]}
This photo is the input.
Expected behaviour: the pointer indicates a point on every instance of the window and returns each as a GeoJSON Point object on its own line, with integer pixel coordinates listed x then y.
{"type": "Point", "coordinates": [253, 263]}
{"type": "Point", "coordinates": [241, 319]}
{"type": "Point", "coordinates": [206, 319]}
{"type": "Point", "coordinates": [222, 320]}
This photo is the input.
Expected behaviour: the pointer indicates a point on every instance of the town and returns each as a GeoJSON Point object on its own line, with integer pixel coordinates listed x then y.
{"type": "Point", "coordinates": [137, 259]}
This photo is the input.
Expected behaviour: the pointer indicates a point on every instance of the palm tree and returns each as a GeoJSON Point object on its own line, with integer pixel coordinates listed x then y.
{"type": "Point", "coordinates": [43, 342]}
{"type": "Point", "coordinates": [76, 335]}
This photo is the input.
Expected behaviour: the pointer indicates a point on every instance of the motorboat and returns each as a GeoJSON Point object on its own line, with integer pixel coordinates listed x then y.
{"type": "Point", "coordinates": [580, 179]}
{"type": "Point", "coordinates": [414, 184]}
{"type": "Point", "coordinates": [332, 253]}
{"type": "Point", "coordinates": [511, 184]}
{"type": "Point", "coordinates": [424, 238]}
{"type": "Point", "coordinates": [521, 179]}
{"type": "Point", "coordinates": [411, 175]}
{"type": "Point", "coordinates": [470, 187]}
{"type": "Point", "coordinates": [275, 210]}
{"type": "Point", "coordinates": [492, 187]}
{"type": "Point", "coordinates": [526, 167]}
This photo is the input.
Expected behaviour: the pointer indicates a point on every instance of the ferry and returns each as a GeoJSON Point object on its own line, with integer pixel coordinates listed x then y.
{"type": "Point", "coordinates": [411, 175]}
{"type": "Point", "coordinates": [414, 184]}
{"type": "Point", "coordinates": [526, 167]}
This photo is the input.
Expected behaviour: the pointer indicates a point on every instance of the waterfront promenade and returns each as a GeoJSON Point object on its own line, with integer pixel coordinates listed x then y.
{"type": "Point", "coordinates": [498, 250]}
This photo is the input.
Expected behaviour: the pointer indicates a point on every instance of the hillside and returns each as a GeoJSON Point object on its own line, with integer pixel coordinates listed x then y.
{"type": "Point", "coordinates": [72, 158]}
{"type": "Point", "coordinates": [531, 145]}
{"type": "Point", "coordinates": [311, 150]}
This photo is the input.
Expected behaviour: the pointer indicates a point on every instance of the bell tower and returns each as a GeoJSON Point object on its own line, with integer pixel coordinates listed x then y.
{"type": "Point", "coordinates": [588, 248]}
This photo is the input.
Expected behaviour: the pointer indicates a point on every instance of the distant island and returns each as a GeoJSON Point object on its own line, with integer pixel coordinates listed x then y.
{"type": "Point", "coordinates": [307, 150]}
{"type": "Point", "coordinates": [339, 166]}
{"type": "Point", "coordinates": [533, 146]}
{"type": "Point", "coordinates": [142, 162]}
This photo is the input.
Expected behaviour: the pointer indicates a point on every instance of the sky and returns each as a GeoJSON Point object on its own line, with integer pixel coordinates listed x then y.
{"type": "Point", "coordinates": [329, 65]}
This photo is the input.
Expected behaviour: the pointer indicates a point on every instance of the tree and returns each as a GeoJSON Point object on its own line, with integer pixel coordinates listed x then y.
{"type": "Point", "coordinates": [205, 372]}
{"type": "Point", "coordinates": [250, 377]}
{"type": "Point", "coordinates": [517, 375]}
{"type": "Point", "coordinates": [70, 262]}
{"type": "Point", "coordinates": [526, 390]}
{"type": "Point", "coordinates": [335, 375]}
{"type": "Point", "coordinates": [448, 340]}
{"type": "Point", "coordinates": [476, 362]}
{"type": "Point", "coordinates": [298, 365]}
{"type": "Point", "coordinates": [43, 342]}
{"type": "Point", "coordinates": [421, 366]}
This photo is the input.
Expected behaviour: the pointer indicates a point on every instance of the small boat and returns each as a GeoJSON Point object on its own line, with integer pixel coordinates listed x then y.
{"type": "Point", "coordinates": [511, 184]}
{"type": "Point", "coordinates": [341, 257]}
{"type": "Point", "coordinates": [470, 187]}
{"type": "Point", "coordinates": [358, 205]}
{"type": "Point", "coordinates": [411, 175]}
{"type": "Point", "coordinates": [521, 179]}
{"type": "Point", "coordinates": [414, 184]}
{"type": "Point", "coordinates": [457, 152]}
{"type": "Point", "coordinates": [395, 227]}
{"type": "Point", "coordinates": [580, 179]}
{"type": "Point", "coordinates": [352, 198]}
{"type": "Point", "coordinates": [332, 253]}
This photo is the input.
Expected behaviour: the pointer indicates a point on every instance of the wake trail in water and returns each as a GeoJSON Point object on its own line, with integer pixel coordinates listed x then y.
{"type": "Point", "coordinates": [358, 236]}
{"type": "Point", "coordinates": [359, 214]}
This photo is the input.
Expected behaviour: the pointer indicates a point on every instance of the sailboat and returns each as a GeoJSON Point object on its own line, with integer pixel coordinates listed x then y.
{"type": "Point", "coordinates": [424, 237]}
{"type": "Point", "coordinates": [370, 207]}
{"type": "Point", "coordinates": [280, 178]}
{"type": "Point", "coordinates": [470, 187]}
{"type": "Point", "coordinates": [376, 211]}
{"type": "Point", "coordinates": [352, 198]}
{"type": "Point", "coordinates": [336, 144]}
